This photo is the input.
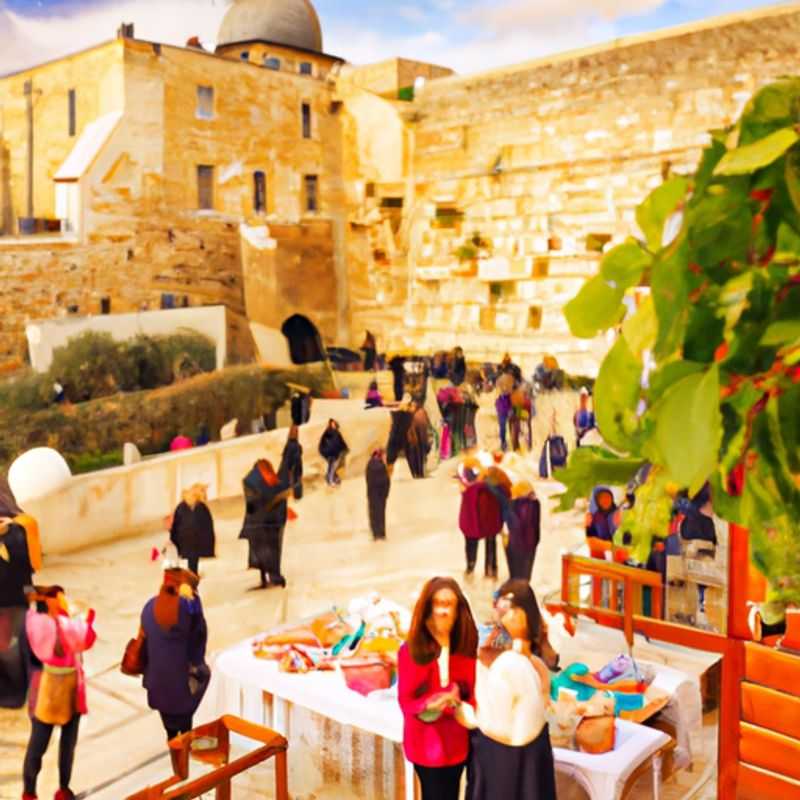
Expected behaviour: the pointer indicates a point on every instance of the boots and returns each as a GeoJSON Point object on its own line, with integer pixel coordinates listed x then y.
{"type": "Point", "coordinates": [64, 794]}
{"type": "Point", "coordinates": [26, 796]}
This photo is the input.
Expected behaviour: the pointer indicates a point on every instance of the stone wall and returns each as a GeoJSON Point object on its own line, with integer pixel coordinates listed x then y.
{"type": "Point", "coordinates": [165, 255]}
{"type": "Point", "coordinates": [540, 155]}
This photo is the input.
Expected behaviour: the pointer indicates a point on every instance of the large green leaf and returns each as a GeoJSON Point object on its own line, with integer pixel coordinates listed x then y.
{"type": "Point", "coordinates": [788, 245]}
{"type": "Point", "coordinates": [733, 299]}
{"type": "Point", "coordinates": [748, 158]}
{"type": "Point", "coordinates": [792, 177]}
{"type": "Point", "coordinates": [670, 374]}
{"type": "Point", "coordinates": [624, 265]}
{"type": "Point", "coordinates": [653, 213]}
{"type": "Point", "coordinates": [590, 466]}
{"type": "Point", "coordinates": [640, 330]}
{"type": "Point", "coordinates": [616, 396]}
{"type": "Point", "coordinates": [786, 330]}
{"type": "Point", "coordinates": [670, 288]}
{"type": "Point", "coordinates": [597, 307]}
{"type": "Point", "coordinates": [771, 108]}
{"type": "Point", "coordinates": [688, 429]}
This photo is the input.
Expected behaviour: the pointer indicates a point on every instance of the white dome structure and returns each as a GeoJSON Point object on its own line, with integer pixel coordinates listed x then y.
{"type": "Point", "coordinates": [291, 23]}
{"type": "Point", "coordinates": [37, 473]}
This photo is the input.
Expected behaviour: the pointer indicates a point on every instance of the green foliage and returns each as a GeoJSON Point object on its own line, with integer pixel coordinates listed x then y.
{"type": "Point", "coordinates": [92, 462]}
{"type": "Point", "coordinates": [93, 365]}
{"type": "Point", "coordinates": [723, 331]}
{"type": "Point", "coordinates": [28, 392]}
{"type": "Point", "coordinates": [650, 516]}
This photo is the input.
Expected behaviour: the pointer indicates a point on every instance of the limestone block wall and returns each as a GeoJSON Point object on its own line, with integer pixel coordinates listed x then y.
{"type": "Point", "coordinates": [289, 269]}
{"type": "Point", "coordinates": [97, 77]}
{"type": "Point", "coordinates": [167, 255]}
{"type": "Point", "coordinates": [538, 156]}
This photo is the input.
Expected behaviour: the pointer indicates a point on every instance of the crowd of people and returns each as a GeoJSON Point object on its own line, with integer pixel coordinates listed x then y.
{"type": "Point", "coordinates": [468, 705]}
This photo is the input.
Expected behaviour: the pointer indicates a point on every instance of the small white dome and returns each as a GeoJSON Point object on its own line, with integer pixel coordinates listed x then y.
{"type": "Point", "coordinates": [37, 473]}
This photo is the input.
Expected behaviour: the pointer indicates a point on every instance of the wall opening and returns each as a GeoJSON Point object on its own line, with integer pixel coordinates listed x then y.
{"type": "Point", "coordinates": [72, 111]}
{"type": "Point", "coordinates": [270, 62]}
{"type": "Point", "coordinates": [306, 68]}
{"type": "Point", "coordinates": [305, 343]}
{"type": "Point", "coordinates": [205, 102]}
{"type": "Point", "coordinates": [205, 187]}
{"type": "Point", "coordinates": [312, 187]}
{"type": "Point", "coordinates": [306, 113]}
{"type": "Point", "coordinates": [259, 191]}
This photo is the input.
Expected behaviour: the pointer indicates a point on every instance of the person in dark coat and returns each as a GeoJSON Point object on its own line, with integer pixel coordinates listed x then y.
{"type": "Point", "coordinates": [402, 420]}
{"type": "Point", "coordinates": [176, 675]}
{"type": "Point", "coordinates": [418, 443]}
{"type": "Point", "coordinates": [266, 511]}
{"type": "Point", "coordinates": [333, 448]}
{"type": "Point", "coordinates": [458, 368]}
{"type": "Point", "coordinates": [291, 467]}
{"type": "Point", "coordinates": [192, 529]}
{"type": "Point", "coordinates": [524, 531]}
{"type": "Point", "coordinates": [480, 517]}
{"type": "Point", "coordinates": [20, 558]}
{"type": "Point", "coordinates": [601, 520]}
{"type": "Point", "coordinates": [379, 483]}
{"type": "Point", "coordinates": [370, 349]}
{"type": "Point", "coordinates": [398, 367]}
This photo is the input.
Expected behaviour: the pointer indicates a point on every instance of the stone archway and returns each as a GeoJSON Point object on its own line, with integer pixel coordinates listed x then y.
{"type": "Point", "coordinates": [305, 343]}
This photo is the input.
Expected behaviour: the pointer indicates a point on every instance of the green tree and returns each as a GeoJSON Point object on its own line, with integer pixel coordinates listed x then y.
{"type": "Point", "coordinates": [703, 380]}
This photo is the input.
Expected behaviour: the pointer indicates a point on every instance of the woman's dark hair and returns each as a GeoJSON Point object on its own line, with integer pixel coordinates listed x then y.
{"type": "Point", "coordinates": [520, 595]}
{"type": "Point", "coordinates": [333, 423]}
{"type": "Point", "coordinates": [374, 386]}
{"type": "Point", "coordinates": [464, 637]}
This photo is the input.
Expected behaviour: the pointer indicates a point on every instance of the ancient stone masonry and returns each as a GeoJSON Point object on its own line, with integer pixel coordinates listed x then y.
{"type": "Point", "coordinates": [432, 209]}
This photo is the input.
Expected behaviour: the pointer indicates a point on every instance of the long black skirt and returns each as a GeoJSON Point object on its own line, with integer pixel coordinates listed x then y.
{"type": "Point", "coordinates": [497, 771]}
{"type": "Point", "coordinates": [14, 658]}
{"type": "Point", "coordinates": [266, 546]}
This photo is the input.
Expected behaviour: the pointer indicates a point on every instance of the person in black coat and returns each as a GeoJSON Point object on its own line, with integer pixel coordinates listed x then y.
{"type": "Point", "coordinates": [333, 448]}
{"type": "Point", "coordinates": [458, 369]}
{"type": "Point", "coordinates": [20, 557]}
{"type": "Point", "coordinates": [291, 468]}
{"type": "Point", "coordinates": [192, 529]}
{"type": "Point", "coordinates": [398, 367]}
{"type": "Point", "coordinates": [266, 512]}
{"type": "Point", "coordinates": [378, 485]}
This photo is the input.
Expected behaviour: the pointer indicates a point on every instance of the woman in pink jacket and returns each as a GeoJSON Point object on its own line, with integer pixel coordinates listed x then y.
{"type": "Point", "coordinates": [436, 678]}
{"type": "Point", "coordinates": [58, 688]}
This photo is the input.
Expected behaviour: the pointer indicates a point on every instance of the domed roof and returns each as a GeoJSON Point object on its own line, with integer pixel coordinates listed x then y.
{"type": "Point", "coordinates": [293, 23]}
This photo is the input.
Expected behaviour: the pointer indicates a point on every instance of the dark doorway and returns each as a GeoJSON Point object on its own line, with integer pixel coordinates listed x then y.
{"type": "Point", "coordinates": [305, 344]}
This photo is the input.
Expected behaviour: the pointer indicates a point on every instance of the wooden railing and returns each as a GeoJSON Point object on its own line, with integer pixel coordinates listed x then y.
{"type": "Point", "coordinates": [631, 580]}
{"type": "Point", "coordinates": [217, 735]}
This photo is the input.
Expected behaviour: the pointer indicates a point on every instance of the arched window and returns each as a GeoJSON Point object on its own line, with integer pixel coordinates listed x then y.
{"type": "Point", "coordinates": [259, 191]}
{"type": "Point", "coordinates": [305, 343]}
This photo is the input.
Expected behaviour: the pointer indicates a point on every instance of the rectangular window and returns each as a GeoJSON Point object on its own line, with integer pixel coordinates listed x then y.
{"type": "Point", "coordinates": [270, 62]}
{"type": "Point", "coordinates": [105, 305]}
{"type": "Point", "coordinates": [312, 188]}
{"type": "Point", "coordinates": [392, 202]}
{"type": "Point", "coordinates": [306, 68]}
{"type": "Point", "coordinates": [72, 113]}
{"type": "Point", "coordinates": [205, 102]}
{"type": "Point", "coordinates": [259, 191]}
{"type": "Point", "coordinates": [205, 187]}
{"type": "Point", "coordinates": [535, 317]}
{"type": "Point", "coordinates": [306, 121]}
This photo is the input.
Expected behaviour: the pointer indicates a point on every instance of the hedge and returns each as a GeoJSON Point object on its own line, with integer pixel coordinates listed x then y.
{"type": "Point", "coordinates": [152, 419]}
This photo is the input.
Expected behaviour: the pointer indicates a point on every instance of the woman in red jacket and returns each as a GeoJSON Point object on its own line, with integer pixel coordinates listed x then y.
{"type": "Point", "coordinates": [436, 677]}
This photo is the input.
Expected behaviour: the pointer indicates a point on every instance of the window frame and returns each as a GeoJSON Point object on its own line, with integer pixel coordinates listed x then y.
{"type": "Point", "coordinates": [260, 175]}
{"type": "Point", "coordinates": [306, 120]}
{"type": "Point", "coordinates": [72, 113]}
{"type": "Point", "coordinates": [200, 112]}
{"type": "Point", "coordinates": [306, 68]}
{"type": "Point", "coordinates": [273, 63]}
{"type": "Point", "coordinates": [311, 196]}
{"type": "Point", "coordinates": [211, 173]}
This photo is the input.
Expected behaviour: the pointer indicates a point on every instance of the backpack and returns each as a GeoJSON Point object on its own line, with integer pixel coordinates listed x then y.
{"type": "Point", "coordinates": [554, 454]}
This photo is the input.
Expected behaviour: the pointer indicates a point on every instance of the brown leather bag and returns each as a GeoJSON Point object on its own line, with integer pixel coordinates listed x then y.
{"type": "Point", "coordinates": [134, 661]}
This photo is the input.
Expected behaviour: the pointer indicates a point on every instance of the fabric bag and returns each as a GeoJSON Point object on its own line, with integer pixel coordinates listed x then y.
{"type": "Point", "coordinates": [134, 660]}
{"type": "Point", "coordinates": [56, 697]}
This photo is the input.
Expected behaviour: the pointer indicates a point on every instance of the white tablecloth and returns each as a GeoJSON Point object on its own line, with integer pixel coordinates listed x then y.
{"type": "Point", "coordinates": [240, 680]}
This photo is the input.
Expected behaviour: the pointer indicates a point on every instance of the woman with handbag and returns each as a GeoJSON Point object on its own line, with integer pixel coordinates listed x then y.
{"type": "Point", "coordinates": [436, 683]}
{"type": "Point", "coordinates": [174, 631]}
{"type": "Point", "coordinates": [511, 755]}
{"type": "Point", "coordinates": [58, 687]}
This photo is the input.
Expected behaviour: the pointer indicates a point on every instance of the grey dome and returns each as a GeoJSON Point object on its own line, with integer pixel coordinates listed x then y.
{"type": "Point", "coordinates": [293, 23]}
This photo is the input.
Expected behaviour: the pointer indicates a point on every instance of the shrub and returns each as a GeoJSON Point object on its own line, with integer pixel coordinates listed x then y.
{"type": "Point", "coordinates": [29, 392]}
{"type": "Point", "coordinates": [92, 365]}
{"type": "Point", "coordinates": [150, 362]}
{"type": "Point", "coordinates": [188, 343]}
{"type": "Point", "coordinates": [92, 462]}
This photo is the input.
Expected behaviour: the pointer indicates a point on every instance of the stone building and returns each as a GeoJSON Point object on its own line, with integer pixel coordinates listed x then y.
{"type": "Point", "coordinates": [274, 178]}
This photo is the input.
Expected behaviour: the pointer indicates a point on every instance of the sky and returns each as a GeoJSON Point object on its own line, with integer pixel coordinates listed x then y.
{"type": "Point", "coordinates": [466, 35]}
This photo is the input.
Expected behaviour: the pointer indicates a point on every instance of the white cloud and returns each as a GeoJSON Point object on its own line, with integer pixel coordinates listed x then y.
{"type": "Point", "coordinates": [515, 15]}
{"type": "Point", "coordinates": [411, 13]}
{"type": "Point", "coordinates": [32, 39]}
